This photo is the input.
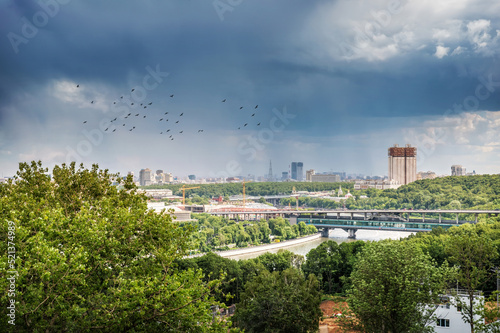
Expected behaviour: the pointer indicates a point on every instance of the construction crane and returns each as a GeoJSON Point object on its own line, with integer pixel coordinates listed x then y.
{"type": "Point", "coordinates": [184, 188]}
{"type": "Point", "coordinates": [244, 182]}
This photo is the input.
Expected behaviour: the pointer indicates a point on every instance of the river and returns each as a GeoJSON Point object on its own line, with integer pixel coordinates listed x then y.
{"type": "Point", "coordinates": [336, 235]}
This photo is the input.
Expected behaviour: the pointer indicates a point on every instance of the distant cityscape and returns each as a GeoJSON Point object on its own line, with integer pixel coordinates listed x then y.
{"type": "Point", "coordinates": [402, 170]}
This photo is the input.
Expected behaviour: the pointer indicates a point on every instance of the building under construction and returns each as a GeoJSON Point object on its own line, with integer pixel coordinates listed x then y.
{"type": "Point", "coordinates": [403, 164]}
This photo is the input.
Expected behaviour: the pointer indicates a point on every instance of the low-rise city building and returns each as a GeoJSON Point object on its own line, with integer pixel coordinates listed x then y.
{"type": "Point", "coordinates": [325, 178]}
{"type": "Point", "coordinates": [449, 316]}
{"type": "Point", "coordinates": [363, 184]}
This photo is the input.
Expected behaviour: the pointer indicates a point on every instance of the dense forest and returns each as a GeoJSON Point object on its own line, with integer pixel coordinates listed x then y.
{"type": "Point", "coordinates": [254, 189]}
{"type": "Point", "coordinates": [466, 192]}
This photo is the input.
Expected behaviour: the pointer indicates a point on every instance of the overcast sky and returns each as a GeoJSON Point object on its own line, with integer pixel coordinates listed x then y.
{"type": "Point", "coordinates": [332, 84]}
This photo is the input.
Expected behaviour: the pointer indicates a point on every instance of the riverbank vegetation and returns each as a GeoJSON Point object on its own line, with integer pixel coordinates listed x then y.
{"type": "Point", "coordinates": [253, 189]}
{"type": "Point", "coordinates": [215, 233]}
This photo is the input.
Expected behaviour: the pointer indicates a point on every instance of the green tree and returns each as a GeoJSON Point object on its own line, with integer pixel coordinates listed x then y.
{"type": "Point", "coordinates": [393, 285]}
{"type": "Point", "coordinates": [280, 261]}
{"type": "Point", "coordinates": [474, 255]}
{"type": "Point", "coordinates": [279, 302]}
{"type": "Point", "coordinates": [92, 257]}
{"type": "Point", "coordinates": [215, 267]}
{"type": "Point", "coordinates": [324, 261]}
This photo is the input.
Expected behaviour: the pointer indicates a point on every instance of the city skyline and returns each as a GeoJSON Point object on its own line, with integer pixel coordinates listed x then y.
{"type": "Point", "coordinates": [332, 84]}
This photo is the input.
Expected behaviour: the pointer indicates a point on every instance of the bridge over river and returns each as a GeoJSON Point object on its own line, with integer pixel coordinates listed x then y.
{"type": "Point", "coordinates": [353, 220]}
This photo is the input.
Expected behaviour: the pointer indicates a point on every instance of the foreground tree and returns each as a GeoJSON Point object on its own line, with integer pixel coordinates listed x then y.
{"type": "Point", "coordinates": [394, 285]}
{"type": "Point", "coordinates": [324, 261]}
{"type": "Point", "coordinates": [474, 255]}
{"type": "Point", "coordinates": [280, 302]}
{"type": "Point", "coordinates": [92, 257]}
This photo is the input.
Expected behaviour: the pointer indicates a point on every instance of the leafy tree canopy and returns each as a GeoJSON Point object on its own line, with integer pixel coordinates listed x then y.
{"type": "Point", "coordinates": [393, 284]}
{"type": "Point", "coordinates": [280, 302]}
{"type": "Point", "coordinates": [92, 257]}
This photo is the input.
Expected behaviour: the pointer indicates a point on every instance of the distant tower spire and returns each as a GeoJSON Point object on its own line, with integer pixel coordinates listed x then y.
{"type": "Point", "coordinates": [270, 175]}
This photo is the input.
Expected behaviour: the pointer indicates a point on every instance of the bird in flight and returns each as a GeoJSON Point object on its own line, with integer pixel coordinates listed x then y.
{"type": "Point", "coordinates": [145, 107]}
{"type": "Point", "coordinates": [253, 114]}
{"type": "Point", "coordinates": [92, 102]}
{"type": "Point", "coordinates": [168, 130]}
{"type": "Point", "coordinates": [172, 95]}
{"type": "Point", "coordinates": [121, 97]}
{"type": "Point", "coordinates": [78, 86]}
{"type": "Point", "coordinates": [131, 103]}
{"type": "Point", "coordinates": [200, 131]}
{"type": "Point", "coordinates": [258, 124]}
{"type": "Point", "coordinates": [239, 127]}
{"type": "Point", "coordinates": [132, 89]}
{"type": "Point", "coordinates": [105, 130]}
{"type": "Point", "coordinates": [224, 100]}
{"type": "Point", "coordinates": [181, 131]}
{"type": "Point", "coordinates": [166, 112]}
{"type": "Point", "coordinates": [160, 119]}
{"type": "Point", "coordinates": [245, 124]}
{"type": "Point", "coordinates": [136, 115]}
{"type": "Point", "coordinates": [144, 117]}
{"type": "Point", "coordinates": [114, 130]}
{"type": "Point", "coordinates": [181, 114]}
{"type": "Point", "coordinates": [123, 125]}
{"type": "Point", "coordinates": [114, 102]}
{"type": "Point", "coordinates": [150, 103]}
{"type": "Point", "coordinates": [177, 122]}
{"type": "Point", "coordinates": [241, 107]}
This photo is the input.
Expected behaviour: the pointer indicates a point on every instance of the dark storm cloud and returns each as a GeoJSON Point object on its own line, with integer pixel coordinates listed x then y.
{"type": "Point", "coordinates": [271, 53]}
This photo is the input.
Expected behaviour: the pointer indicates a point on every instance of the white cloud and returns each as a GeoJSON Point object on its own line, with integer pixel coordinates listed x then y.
{"type": "Point", "coordinates": [477, 32]}
{"type": "Point", "coordinates": [441, 51]}
{"type": "Point", "coordinates": [458, 50]}
{"type": "Point", "coordinates": [82, 96]}
{"type": "Point", "coordinates": [371, 31]}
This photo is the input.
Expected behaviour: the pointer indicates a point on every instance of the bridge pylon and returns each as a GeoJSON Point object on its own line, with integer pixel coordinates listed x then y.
{"type": "Point", "coordinates": [351, 233]}
{"type": "Point", "coordinates": [325, 232]}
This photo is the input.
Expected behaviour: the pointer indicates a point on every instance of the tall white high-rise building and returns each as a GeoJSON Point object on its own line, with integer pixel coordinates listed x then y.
{"type": "Point", "coordinates": [403, 164]}
{"type": "Point", "coordinates": [458, 170]}
{"type": "Point", "coordinates": [145, 177]}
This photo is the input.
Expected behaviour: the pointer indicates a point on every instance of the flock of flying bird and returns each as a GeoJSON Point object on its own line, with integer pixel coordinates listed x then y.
{"type": "Point", "coordinates": [144, 106]}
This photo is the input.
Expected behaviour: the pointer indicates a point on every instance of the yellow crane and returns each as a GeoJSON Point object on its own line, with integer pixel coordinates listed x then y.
{"type": "Point", "coordinates": [184, 188]}
{"type": "Point", "coordinates": [244, 182]}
